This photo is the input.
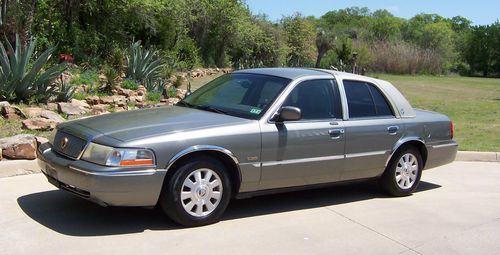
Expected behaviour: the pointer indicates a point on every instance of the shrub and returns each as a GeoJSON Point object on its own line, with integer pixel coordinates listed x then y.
{"type": "Point", "coordinates": [142, 65]}
{"type": "Point", "coordinates": [179, 80]}
{"type": "Point", "coordinates": [171, 92]}
{"type": "Point", "coordinates": [89, 78]}
{"type": "Point", "coordinates": [111, 75]}
{"type": "Point", "coordinates": [22, 76]}
{"type": "Point", "coordinates": [79, 96]}
{"type": "Point", "coordinates": [65, 92]}
{"type": "Point", "coordinates": [130, 84]}
{"type": "Point", "coordinates": [153, 96]}
{"type": "Point", "coordinates": [404, 58]}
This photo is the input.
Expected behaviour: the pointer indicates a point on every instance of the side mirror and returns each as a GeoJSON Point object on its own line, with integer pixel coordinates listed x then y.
{"type": "Point", "coordinates": [289, 113]}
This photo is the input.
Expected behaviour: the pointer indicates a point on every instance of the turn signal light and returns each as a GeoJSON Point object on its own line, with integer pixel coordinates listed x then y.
{"type": "Point", "coordinates": [136, 162]}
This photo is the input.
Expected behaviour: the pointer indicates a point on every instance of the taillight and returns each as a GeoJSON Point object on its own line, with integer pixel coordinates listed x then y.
{"type": "Point", "coordinates": [452, 129]}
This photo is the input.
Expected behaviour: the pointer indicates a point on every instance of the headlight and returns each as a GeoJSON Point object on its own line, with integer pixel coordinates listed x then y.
{"type": "Point", "coordinates": [108, 156]}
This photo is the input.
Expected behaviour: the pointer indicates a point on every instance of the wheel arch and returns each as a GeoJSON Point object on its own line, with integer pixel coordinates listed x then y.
{"type": "Point", "coordinates": [224, 155]}
{"type": "Point", "coordinates": [416, 142]}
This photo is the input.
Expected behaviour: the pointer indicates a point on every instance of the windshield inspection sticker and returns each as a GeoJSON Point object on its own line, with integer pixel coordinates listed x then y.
{"type": "Point", "coordinates": [255, 111]}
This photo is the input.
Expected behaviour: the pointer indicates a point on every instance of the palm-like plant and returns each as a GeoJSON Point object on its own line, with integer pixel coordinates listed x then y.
{"type": "Point", "coordinates": [21, 74]}
{"type": "Point", "coordinates": [143, 65]}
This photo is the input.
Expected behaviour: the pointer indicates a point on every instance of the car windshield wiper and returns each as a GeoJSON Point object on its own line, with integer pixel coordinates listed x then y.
{"type": "Point", "coordinates": [210, 108]}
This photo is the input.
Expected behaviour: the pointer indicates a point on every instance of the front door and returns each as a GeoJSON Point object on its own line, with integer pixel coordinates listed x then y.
{"type": "Point", "coordinates": [310, 150]}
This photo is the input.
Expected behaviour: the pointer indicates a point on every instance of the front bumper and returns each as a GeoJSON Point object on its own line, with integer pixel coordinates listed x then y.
{"type": "Point", "coordinates": [114, 186]}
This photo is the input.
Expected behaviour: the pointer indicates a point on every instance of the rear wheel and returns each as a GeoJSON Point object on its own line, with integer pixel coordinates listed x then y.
{"type": "Point", "coordinates": [197, 193]}
{"type": "Point", "coordinates": [402, 175]}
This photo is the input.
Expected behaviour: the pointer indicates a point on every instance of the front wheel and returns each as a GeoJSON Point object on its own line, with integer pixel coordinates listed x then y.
{"type": "Point", "coordinates": [402, 175]}
{"type": "Point", "coordinates": [197, 194]}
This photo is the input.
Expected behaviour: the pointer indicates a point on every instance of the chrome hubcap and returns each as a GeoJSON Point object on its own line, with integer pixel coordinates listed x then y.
{"type": "Point", "coordinates": [201, 192]}
{"type": "Point", "coordinates": [406, 171]}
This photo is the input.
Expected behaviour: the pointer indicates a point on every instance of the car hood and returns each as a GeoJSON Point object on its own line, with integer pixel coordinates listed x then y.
{"type": "Point", "coordinates": [136, 124]}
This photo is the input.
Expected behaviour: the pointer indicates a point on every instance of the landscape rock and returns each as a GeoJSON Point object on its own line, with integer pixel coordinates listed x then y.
{"type": "Point", "coordinates": [33, 112]}
{"type": "Point", "coordinates": [99, 109]}
{"type": "Point", "coordinates": [4, 103]}
{"type": "Point", "coordinates": [12, 112]}
{"type": "Point", "coordinates": [180, 93]}
{"type": "Point", "coordinates": [19, 147]}
{"type": "Point", "coordinates": [39, 124]}
{"type": "Point", "coordinates": [136, 99]}
{"type": "Point", "coordinates": [81, 103]}
{"type": "Point", "coordinates": [51, 106]}
{"type": "Point", "coordinates": [106, 100]}
{"type": "Point", "coordinates": [126, 92]}
{"type": "Point", "coordinates": [120, 101]}
{"type": "Point", "coordinates": [50, 115]}
{"type": "Point", "coordinates": [71, 109]}
{"type": "Point", "coordinates": [172, 101]}
{"type": "Point", "coordinates": [41, 140]}
{"type": "Point", "coordinates": [93, 100]}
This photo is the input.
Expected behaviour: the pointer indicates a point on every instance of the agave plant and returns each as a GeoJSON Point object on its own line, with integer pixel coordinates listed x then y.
{"type": "Point", "coordinates": [21, 74]}
{"type": "Point", "coordinates": [143, 65]}
{"type": "Point", "coordinates": [65, 92]}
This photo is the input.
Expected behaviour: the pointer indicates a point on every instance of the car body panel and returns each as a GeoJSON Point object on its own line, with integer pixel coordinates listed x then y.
{"type": "Point", "coordinates": [268, 155]}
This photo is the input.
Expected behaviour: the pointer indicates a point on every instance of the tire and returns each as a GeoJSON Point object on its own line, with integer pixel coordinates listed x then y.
{"type": "Point", "coordinates": [402, 175]}
{"type": "Point", "coordinates": [197, 193]}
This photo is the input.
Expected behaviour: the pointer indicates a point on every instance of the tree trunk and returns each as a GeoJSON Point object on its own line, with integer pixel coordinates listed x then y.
{"type": "Point", "coordinates": [29, 12]}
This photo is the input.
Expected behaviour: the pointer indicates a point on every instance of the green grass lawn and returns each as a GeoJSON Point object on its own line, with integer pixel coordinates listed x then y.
{"type": "Point", "coordinates": [472, 103]}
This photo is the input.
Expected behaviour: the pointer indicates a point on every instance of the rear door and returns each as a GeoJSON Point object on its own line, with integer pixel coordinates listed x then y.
{"type": "Point", "coordinates": [371, 130]}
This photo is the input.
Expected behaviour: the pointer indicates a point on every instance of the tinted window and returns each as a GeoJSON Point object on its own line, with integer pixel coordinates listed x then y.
{"type": "Point", "coordinates": [316, 99]}
{"type": "Point", "coordinates": [365, 100]}
{"type": "Point", "coordinates": [242, 95]}
{"type": "Point", "coordinates": [381, 105]}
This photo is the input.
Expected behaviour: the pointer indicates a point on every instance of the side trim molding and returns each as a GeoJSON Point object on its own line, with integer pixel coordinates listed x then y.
{"type": "Point", "coordinates": [300, 160]}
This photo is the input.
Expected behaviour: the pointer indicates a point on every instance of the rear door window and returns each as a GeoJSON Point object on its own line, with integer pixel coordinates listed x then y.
{"type": "Point", "coordinates": [365, 100]}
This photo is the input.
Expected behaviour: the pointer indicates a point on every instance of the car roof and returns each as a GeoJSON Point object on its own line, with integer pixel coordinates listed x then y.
{"type": "Point", "coordinates": [285, 72]}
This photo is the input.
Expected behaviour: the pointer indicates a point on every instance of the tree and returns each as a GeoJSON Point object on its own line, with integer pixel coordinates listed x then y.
{"type": "Point", "coordinates": [324, 42]}
{"type": "Point", "coordinates": [300, 37]}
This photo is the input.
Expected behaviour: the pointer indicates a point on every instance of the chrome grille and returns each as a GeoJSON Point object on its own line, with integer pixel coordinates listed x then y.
{"type": "Point", "coordinates": [69, 145]}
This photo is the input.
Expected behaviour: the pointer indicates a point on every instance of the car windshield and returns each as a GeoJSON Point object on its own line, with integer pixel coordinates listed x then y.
{"type": "Point", "coordinates": [238, 94]}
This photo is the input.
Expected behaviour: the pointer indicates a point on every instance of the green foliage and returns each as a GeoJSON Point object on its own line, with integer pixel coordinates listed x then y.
{"type": "Point", "coordinates": [482, 52]}
{"type": "Point", "coordinates": [193, 33]}
{"type": "Point", "coordinates": [111, 76]}
{"type": "Point", "coordinates": [130, 84]}
{"type": "Point", "coordinates": [179, 80]}
{"type": "Point", "coordinates": [22, 75]}
{"type": "Point", "coordinates": [300, 36]}
{"type": "Point", "coordinates": [89, 78]}
{"type": "Point", "coordinates": [171, 92]}
{"type": "Point", "coordinates": [79, 96]}
{"type": "Point", "coordinates": [142, 64]}
{"type": "Point", "coordinates": [153, 96]}
{"type": "Point", "coordinates": [65, 92]}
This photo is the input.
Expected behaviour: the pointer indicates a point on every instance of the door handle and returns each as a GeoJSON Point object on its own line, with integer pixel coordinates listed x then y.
{"type": "Point", "coordinates": [392, 130]}
{"type": "Point", "coordinates": [336, 133]}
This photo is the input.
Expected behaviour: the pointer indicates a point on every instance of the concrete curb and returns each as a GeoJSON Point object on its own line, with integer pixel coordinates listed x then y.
{"type": "Point", "coordinates": [478, 156]}
{"type": "Point", "coordinates": [10, 168]}
{"type": "Point", "coordinates": [20, 167]}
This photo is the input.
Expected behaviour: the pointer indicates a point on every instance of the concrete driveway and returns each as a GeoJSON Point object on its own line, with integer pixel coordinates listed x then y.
{"type": "Point", "coordinates": [455, 211]}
